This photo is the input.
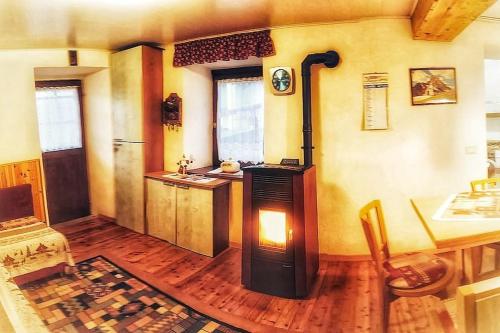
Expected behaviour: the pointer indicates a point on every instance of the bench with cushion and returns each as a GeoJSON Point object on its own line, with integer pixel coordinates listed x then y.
{"type": "Point", "coordinates": [29, 250]}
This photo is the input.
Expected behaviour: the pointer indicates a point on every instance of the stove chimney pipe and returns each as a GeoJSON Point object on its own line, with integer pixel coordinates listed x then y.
{"type": "Point", "coordinates": [331, 60]}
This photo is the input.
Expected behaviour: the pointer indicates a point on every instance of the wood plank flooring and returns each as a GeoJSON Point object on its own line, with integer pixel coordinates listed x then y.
{"type": "Point", "coordinates": [343, 298]}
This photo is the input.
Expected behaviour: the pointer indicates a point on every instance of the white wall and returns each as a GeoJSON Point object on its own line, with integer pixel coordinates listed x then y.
{"type": "Point", "coordinates": [99, 142]}
{"type": "Point", "coordinates": [19, 138]}
{"type": "Point", "coordinates": [423, 154]}
{"type": "Point", "coordinates": [194, 85]}
{"type": "Point", "coordinates": [18, 123]}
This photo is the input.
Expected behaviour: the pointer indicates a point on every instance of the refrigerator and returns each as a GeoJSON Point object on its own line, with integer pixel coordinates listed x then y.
{"type": "Point", "coordinates": [137, 91]}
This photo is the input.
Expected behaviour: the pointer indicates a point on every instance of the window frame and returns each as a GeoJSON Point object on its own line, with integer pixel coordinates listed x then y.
{"type": "Point", "coordinates": [224, 74]}
{"type": "Point", "coordinates": [61, 84]}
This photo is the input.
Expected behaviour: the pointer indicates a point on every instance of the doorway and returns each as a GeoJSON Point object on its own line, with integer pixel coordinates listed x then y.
{"type": "Point", "coordinates": [60, 123]}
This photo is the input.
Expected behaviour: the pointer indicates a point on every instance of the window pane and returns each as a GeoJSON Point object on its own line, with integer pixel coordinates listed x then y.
{"type": "Point", "coordinates": [240, 120]}
{"type": "Point", "coordinates": [59, 118]}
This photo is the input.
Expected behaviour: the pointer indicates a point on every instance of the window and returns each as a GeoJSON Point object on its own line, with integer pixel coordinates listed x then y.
{"type": "Point", "coordinates": [59, 122]}
{"type": "Point", "coordinates": [239, 115]}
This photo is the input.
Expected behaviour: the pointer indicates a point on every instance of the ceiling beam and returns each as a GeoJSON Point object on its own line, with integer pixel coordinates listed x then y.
{"type": "Point", "coordinates": [443, 20]}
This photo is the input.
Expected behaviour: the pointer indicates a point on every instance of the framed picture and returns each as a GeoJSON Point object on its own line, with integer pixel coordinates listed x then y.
{"type": "Point", "coordinates": [433, 86]}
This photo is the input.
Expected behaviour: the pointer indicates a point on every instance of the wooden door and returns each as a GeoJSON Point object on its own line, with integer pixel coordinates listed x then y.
{"type": "Point", "coordinates": [195, 219]}
{"type": "Point", "coordinates": [161, 210]}
{"type": "Point", "coordinates": [66, 185]}
{"type": "Point", "coordinates": [60, 120]}
{"type": "Point", "coordinates": [129, 185]}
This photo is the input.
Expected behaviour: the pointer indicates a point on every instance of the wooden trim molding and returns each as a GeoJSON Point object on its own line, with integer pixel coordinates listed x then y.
{"type": "Point", "coordinates": [58, 84]}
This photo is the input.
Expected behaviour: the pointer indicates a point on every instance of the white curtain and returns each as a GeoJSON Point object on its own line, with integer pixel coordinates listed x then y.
{"type": "Point", "coordinates": [59, 118]}
{"type": "Point", "coordinates": [240, 119]}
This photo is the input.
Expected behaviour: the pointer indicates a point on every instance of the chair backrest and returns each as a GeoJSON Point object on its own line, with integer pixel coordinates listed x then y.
{"type": "Point", "coordinates": [484, 184]}
{"type": "Point", "coordinates": [478, 307]}
{"type": "Point", "coordinates": [372, 220]}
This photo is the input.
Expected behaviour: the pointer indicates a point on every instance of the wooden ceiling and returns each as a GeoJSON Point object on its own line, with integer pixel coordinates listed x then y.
{"type": "Point", "coordinates": [111, 24]}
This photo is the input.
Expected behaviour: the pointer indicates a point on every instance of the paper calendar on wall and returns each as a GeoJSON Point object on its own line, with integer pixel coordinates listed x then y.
{"type": "Point", "coordinates": [375, 106]}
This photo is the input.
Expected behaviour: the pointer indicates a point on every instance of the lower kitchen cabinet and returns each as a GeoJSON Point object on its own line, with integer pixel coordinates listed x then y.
{"type": "Point", "coordinates": [195, 218]}
{"type": "Point", "coordinates": [161, 210]}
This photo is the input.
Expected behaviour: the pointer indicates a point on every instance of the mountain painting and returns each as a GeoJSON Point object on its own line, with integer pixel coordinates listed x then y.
{"type": "Point", "coordinates": [433, 86]}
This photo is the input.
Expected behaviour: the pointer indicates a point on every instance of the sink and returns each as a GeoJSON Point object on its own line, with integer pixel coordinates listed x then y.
{"type": "Point", "coordinates": [192, 178]}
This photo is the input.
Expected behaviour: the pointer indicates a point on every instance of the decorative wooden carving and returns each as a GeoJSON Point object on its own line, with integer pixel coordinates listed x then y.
{"type": "Point", "coordinates": [172, 111]}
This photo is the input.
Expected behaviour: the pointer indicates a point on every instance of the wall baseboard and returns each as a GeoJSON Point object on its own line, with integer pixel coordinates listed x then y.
{"type": "Point", "coordinates": [344, 257]}
{"type": "Point", "coordinates": [107, 218]}
{"type": "Point", "coordinates": [325, 256]}
{"type": "Point", "coordinates": [236, 245]}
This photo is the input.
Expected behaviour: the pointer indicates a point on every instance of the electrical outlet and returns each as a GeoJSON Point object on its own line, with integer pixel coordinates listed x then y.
{"type": "Point", "coordinates": [471, 150]}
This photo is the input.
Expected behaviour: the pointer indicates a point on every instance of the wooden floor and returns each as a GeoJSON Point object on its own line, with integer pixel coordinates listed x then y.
{"type": "Point", "coordinates": [343, 299]}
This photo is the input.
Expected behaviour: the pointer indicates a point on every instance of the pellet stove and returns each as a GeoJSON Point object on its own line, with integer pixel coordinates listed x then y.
{"type": "Point", "coordinates": [280, 228]}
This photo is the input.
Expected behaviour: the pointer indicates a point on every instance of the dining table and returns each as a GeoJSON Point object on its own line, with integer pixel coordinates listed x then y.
{"type": "Point", "coordinates": [462, 222]}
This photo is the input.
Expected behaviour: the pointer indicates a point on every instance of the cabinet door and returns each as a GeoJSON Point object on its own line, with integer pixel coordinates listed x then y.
{"type": "Point", "coordinates": [129, 185]}
{"type": "Point", "coordinates": [160, 210]}
{"type": "Point", "coordinates": [195, 219]}
{"type": "Point", "coordinates": [127, 94]}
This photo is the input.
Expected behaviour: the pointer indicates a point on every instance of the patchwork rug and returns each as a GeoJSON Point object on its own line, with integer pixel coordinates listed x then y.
{"type": "Point", "coordinates": [101, 297]}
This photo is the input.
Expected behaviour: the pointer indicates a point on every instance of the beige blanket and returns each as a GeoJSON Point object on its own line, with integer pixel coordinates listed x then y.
{"type": "Point", "coordinates": [21, 315]}
{"type": "Point", "coordinates": [26, 245]}
{"type": "Point", "coordinates": [30, 251]}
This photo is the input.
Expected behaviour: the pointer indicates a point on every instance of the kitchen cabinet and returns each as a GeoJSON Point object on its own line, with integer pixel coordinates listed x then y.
{"type": "Point", "coordinates": [190, 216]}
{"type": "Point", "coordinates": [137, 91]}
{"type": "Point", "coordinates": [161, 210]}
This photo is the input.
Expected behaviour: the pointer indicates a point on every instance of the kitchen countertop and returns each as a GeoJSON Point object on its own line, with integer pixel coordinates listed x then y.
{"type": "Point", "coordinates": [204, 171]}
{"type": "Point", "coordinates": [159, 175]}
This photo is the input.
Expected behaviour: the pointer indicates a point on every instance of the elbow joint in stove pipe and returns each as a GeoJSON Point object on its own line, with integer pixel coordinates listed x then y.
{"type": "Point", "coordinates": [330, 59]}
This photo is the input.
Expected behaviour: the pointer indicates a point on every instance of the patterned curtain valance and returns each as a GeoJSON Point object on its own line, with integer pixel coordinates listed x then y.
{"type": "Point", "coordinates": [236, 47]}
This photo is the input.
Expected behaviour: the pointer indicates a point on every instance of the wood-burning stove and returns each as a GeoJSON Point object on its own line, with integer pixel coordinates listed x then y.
{"type": "Point", "coordinates": [280, 228]}
{"type": "Point", "coordinates": [280, 231]}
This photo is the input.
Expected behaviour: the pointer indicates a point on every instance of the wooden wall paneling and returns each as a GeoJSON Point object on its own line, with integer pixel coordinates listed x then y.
{"type": "Point", "coordinates": [443, 20]}
{"type": "Point", "coordinates": [25, 172]}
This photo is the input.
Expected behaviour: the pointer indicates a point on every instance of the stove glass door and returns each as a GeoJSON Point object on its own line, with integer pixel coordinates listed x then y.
{"type": "Point", "coordinates": [272, 229]}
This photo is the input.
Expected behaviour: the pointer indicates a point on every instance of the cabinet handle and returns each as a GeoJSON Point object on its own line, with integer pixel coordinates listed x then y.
{"type": "Point", "coordinates": [186, 187]}
{"type": "Point", "coordinates": [168, 184]}
{"type": "Point", "coordinates": [290, 235]}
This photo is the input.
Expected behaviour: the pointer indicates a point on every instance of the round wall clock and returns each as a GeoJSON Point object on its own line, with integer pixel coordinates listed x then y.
{"type": "Point", "coordinates": [282, 80]}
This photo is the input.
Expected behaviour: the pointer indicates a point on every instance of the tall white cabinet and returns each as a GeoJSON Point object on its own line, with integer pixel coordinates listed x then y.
{"type": "Point", "coordinates": [137, 93]}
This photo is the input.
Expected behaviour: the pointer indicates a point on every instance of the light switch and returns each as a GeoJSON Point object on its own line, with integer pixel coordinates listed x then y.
{"type": "Point", "coordinates": [471, 150]}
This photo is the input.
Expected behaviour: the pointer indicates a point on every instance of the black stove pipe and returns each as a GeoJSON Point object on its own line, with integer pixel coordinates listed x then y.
{"type": "Point", "coordinates": [331, 60]}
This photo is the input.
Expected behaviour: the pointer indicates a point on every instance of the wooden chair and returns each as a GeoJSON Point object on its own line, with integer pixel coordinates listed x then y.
{"type": "Point", "coordinates": [478, 306]}
{"type": "Point", "coordinates": [477, 256]}
{"type": "Point", "coordinates": [484, 184]}
{"type": "Point", "coordinates": [372, 220]}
